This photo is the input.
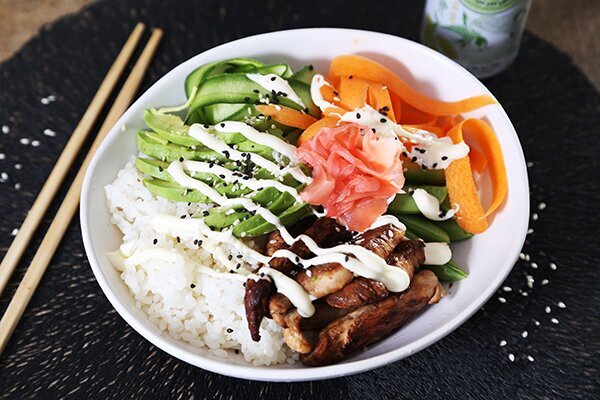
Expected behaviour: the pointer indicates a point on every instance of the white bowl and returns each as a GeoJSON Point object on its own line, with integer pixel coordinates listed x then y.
{"type": "Point", "coordinates": [488, 257]}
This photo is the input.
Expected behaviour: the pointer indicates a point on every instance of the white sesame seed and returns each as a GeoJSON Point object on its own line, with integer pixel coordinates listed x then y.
{"type": "Point", "coordinates": [49, 132]}
{"type": "Point", "coordinates": [52, 97]}
{"type": "Point", "coordinates": [527, 257]}
{"type": "Point", "coordinates": [524, 334]}
{"type": "Point", "coordinates": [552, 266]}
{"type": "Point", "coordinates": [5, 129]}
{"type": "Point", "coordinates": [561, 304]}
{"type": "Point", "coordinates": [529, 231]}
{"type": "Point", "coordinates": [278, 107]}
{"type": "Point", "coordinates": [502, 300]}
{"type": "Point", "coordinates": [4, 176]}
{"type": "Point", "coordinates": [507, 289]}
{"type": "Point", "coordinates": [45, 101]}
{"type": "Point", "coordinates": [536, 322]}
{"type": "Point", "coordinates": [534, 217]}
{"type": "Point", "coordinates": [530, 358]}
{"type": "Point", "coordinates": [502, 343]}
{"type": "Point", "coordinates": [17, 186]}
{"type": "Point", "coordinates": [24, 141]}
{"type": "Point", "coordinates": [541, 206]}
{"type": "Point", "coordinates": [18, 166]}
{"type": "Point", "coordinates": [2, 156]}
{"type": "Point", "coordinates": [123, 128]}
{"type": "Point", "coordinates": [14, 232]}
{"type": "Point", "coordinates": [534, 265]}
{"type": "Point", "coordinates": [524, 294]}
{"type": "Point", "coordinates": [548, 310]}
{"type": "Point", "coordinates": [511, 357]}
{"type": "Point", "coordinates": [522, 256]}
{"type": "Point", "coordinates": [545, 282]}
{"type": "Point", "coordinates": [554, 321]}
{"type": "Point", "coordinates": [35, 143]}
{"type": "Point", "coordinates": [530, 164]}
{"type": "Point", "coordinates": [273, 126]}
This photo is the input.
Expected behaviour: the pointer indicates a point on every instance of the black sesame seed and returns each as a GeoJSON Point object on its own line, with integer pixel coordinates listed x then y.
{"type": "Point", "coordinates": [230, 257]}
{"type": "Point", "coordinates": [351, 76]}
{"type": "Point", "coordinates": [229, 330]}
{"type": "Point", "coordinates": [221, 176]}
{"type": "Point", "coordinates": [357, 115]}
{"type": "Point", "coordinates": [239, 256]}
{"type": "Point", "coordinates": [424, 167]}
{"type": "Point", "coordinates": [300, 265]}
{"type": "Point", "coordinates": [205, 213]}
{"type": "Point", "coordinates": [262, 274]}
{"type": "Point", "coordinates": [199, 242]}
{"type": "Point", "coordinates": [434, 165]}
{"type": "Point", "coordinates": [383, 120]}
{"type": "Point", "coordinates": [206, 126]}
{"type": "Point", "coordinates": [183, 216]}
{"type": "Point", "coordinates": [255, 91]}
{"type": "Point", "coordinates": [178, 239]}
{"type": "Point", "coordinates": [347, 258]}
{"type": "Point", "coordinates": [189, 204]}
{"type": "Point", "coordinates": [236, 351]}
{"type": "Point", "coordinates": [226, 153]}
{"type": "Point", "coordinates": [422, 151]}
{"type": "Point", "coordinates": [269, 118]}
{"type": "Point", "coordinates": [311, 67]}
{"type": "Point", "coordinates": [444, 158]}
{"type": "Point", "coordinates": [244, 284]}
{"type": "Point", "coordinates": [374, 130]}
{"type": "Point", "coordinates": [335, 92]}
{"type": "Point", "coordinates": [414, 159]}
{"type": "Point", "coordinates": [160, 169]}
{"type": "Point", "coordinates": [273, 78]}
{"type": "Point", "coordinates": [256, 102]}
{"type": "Point", "coordinates": [155, 241]}
{"type": "Point", "coordinates": [192, 285]}
{"type": "Point", "coordinates": [195, 242]}
{"type": "Point", "coordinates": [222, 125]}
{"type": "Point", "coordinates": [404, 154]}
{"type": "Point", "coordinates": [231, 271]}
{"type": "Point", "coordinates": [180, 159]}
{"type": "Point", "coordinates": [283, 94]}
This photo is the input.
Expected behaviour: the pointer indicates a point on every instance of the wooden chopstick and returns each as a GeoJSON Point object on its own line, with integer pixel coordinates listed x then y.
{"type": "Point", "coordinates": [70, 203]}
{"type": "Point", "coordinates": [68, 155]}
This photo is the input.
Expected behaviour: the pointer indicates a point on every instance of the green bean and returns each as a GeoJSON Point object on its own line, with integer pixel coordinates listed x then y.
{"type": "Point", "coordinates": [449, 272]}
{"type": "Point", "coordinates": [423, 228]}
{"type": "Point", "coordinates": [434, 177]}
{"type": "Point", "coordinates": [454, 231]}
{"type": "Point", "coordinates": [405, 204]}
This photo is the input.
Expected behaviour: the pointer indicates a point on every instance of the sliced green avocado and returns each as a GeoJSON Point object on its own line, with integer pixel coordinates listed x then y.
{"type": "Point", "coordinates": [172, 191]}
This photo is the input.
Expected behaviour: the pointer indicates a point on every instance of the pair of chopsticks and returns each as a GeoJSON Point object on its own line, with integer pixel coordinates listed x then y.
{"type": "Point", "coordinates": [70, 203]}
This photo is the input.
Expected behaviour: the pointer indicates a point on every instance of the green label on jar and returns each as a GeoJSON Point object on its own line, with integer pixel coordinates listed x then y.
{"type": "Point", "coordinates": [489, 6]}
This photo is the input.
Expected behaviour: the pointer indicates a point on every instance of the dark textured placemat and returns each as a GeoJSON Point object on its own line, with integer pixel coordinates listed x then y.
{"type": "Point", "coordinates": [71, 342]}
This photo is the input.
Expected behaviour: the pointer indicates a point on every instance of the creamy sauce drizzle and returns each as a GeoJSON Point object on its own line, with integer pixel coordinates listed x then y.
{"type": "Point", "coordinates": [317, 82]}
{"type": "Point", "coordinates": [292, 290]}
{"type": "Point", "coordinates": [437, 253]}
{"type": "Point", "coordinates": [209, 140]}
{"type": "Point", "coordinates": [272, 82]}
{"type": "Point", "coordinates": [430, 206]}
{"type": "Point", "coordinates": [429, 150]}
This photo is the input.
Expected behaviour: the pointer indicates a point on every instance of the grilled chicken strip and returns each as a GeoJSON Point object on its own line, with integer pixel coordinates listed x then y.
{"type": "Point", "coordinates": [408, 255]}
{"type": "Point", "coordinates": [373, 322]}
{"type": "Point", "coordinates": [330, 278]}
{"type": "Point", "coordinates": [301, 333]}
{"type": "Point", "coordinates": [324, 232]}
{"type": "Point", "coordinates": [325, 279]}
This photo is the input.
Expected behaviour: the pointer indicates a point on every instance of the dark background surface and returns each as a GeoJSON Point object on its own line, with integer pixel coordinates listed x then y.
{"type": "Point", "coordinates": [71, 343]}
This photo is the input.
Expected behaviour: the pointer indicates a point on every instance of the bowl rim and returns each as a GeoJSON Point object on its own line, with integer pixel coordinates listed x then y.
{"type": "Point", "coordinates": [307, 373]}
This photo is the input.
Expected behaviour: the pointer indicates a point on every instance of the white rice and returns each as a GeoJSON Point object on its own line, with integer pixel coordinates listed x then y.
{"type": "Point", "coordinates": [209, 316]}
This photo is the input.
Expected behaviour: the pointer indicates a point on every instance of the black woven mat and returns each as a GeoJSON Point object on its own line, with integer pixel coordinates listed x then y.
{"type": "Point", "coordinates": [71, 343]}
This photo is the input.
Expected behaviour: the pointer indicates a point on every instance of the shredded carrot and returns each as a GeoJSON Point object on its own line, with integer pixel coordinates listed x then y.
{"type": "Point", "coordinates": [311, 131]}
{"type": "Point", "coordinates": [287, 116]}
{"type": "Point", "coordinates": [412, 116]}
{"type": "Point", "coordinates": [363, 68]}
{"type": "Point", "coordinates": [459, 177]}
{"type": "Point", "coordinates": [478, 160]}
{"type": "Point", "coordinates": [379, 99]}
{"type": "Point", "coordinates": [353, 92]}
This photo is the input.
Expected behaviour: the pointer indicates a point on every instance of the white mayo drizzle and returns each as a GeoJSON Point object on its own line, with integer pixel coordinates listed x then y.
{"type": "Point", "coordinates": [145, 255]}
{"type": "Point", "coordinates": [292, 290]}
{"type": "Point", "coordinates": [229, 176]}
{"type": "Point", "coordinates": [209, 140]}
{"type": "Point", "coordinates": [317, 82]}
{"type": "Point", "coordinates": [266, 139]}
{"type": "Point", "coordinates": [437, 253]}
{"type": "Point", "coordinates": [430, 206]}
{"type": "Point", "coordinates": [439, 152]}
{"type": "Point", "coordinates": [272, 82]}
